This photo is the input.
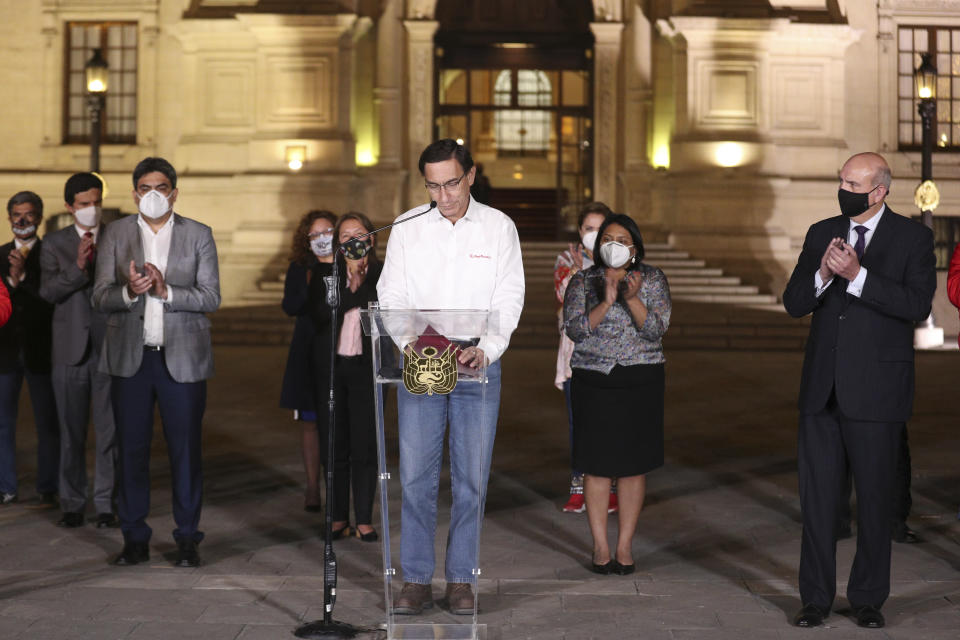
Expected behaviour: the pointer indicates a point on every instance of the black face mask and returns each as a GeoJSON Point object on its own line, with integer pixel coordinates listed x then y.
{"type": "Point", "coordinates": [853, 204]}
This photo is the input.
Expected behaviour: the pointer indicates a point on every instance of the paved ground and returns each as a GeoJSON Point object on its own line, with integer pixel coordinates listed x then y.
{"type": "Point", "coordinates": [717, 548]}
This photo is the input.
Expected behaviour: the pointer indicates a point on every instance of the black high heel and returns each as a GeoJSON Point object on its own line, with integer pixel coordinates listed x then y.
{"type": "Point", "coordinates": [368, 537]}
{"type": "Point", "coordinates": [342, 532]}
{"type": "Point", "coordinates": [623, 569]}
{"type": "Point", "coordinates": [603, 569]}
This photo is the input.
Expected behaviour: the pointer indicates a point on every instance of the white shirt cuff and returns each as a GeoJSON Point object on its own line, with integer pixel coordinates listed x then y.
{"type": "Point", "coordinates": [855, 288]}
{"type": "Point", "coordinates": [820, 284]}
{"type": "Point", "coordinates": [127, 300]}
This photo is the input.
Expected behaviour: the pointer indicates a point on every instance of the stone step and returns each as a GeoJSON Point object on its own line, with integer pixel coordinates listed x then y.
{"type": "Point", "coordinates": [725, 298]}
{"type": "Point", "coordinates": [684, 289]}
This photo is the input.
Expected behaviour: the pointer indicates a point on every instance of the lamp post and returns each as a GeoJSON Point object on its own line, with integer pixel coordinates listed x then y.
{"type": "Point", "coordinates": [97, 76]}
{"type": "Point", "coordinates": [927, 197]}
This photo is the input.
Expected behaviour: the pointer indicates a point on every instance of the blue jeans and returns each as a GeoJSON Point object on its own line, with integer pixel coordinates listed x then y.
{"type": "Point", "coordinates": [423, 423]}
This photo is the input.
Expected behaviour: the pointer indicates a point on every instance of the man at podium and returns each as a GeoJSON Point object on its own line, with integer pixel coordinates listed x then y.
{"type": "Point", "coordinates": [463, 255]}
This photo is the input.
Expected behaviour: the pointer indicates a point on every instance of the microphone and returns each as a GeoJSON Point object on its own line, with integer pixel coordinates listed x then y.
{"type": "Point", "coordinates": [356, 248]}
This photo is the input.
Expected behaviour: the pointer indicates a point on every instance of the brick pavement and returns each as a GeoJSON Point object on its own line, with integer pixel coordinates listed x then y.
{"type": "Point", "coordinates": [717, 546]}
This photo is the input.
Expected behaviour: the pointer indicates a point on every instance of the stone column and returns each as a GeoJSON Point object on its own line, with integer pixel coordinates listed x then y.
{"type": "Point", "coordinates": [606, 75]}
{"type": "Point", "coordinates": [388, 110]}
{"type": "Point", "coordinates": [420, 78]}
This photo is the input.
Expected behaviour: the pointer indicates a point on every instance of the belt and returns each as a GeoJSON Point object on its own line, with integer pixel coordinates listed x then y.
{"type": "Point", "coordinates": [152, 347]}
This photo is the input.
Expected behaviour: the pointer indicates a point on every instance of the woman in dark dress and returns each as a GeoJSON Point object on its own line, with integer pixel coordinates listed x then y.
{"type": "Point", "coordinates": [312, 246]}
{"type": "Point", "coordinates": [616, 313]}
{"type": "Point", "coordinates": [355, 444]}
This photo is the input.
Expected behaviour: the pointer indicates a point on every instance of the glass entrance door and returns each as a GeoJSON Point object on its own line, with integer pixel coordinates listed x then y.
{"type": "Point", "coordinates": [530, 131]}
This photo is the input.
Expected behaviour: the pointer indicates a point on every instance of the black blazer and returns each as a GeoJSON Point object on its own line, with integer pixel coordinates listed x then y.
{"type": "Point", "coordinates": [30, 322]}
{"type": "Point", "coordinates": [864, 346]}
{"type": "Point", "coordinates": [299, 385]}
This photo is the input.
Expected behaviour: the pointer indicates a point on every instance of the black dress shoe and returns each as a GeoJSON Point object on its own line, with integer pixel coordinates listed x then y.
{"type": "Point", "coordinates": [904, 535]}
{"type": "Point", "coordinates": [133, 553]}
{"type": "Point", "coordinates": [809, 616]}
{"type": "Point", "coordinates": [342, 532]}
{"type": "Point", "coordinates": [623, 569]}
{"type": "Point", "coordinates": [107, 520]}
{"type": "Point", "coordinates": [603, 569]}
{"type": "Point", "coordinates": [869, 617]}
{"type": "Point", "coordinates": [187, 554]}
{"type": "Point", "coordinates": [70, 520]}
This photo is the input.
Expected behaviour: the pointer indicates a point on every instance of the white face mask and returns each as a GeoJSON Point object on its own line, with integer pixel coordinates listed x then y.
{"type": "Point", "coordinates": [322, 245]}
{"type": "Point", "coordinates": [589, 240]}
{"type": "Point", "coordinates": [88, 216]}
{"type": "Point", "coordinates": [616, 255]}
{"type": "Point", "coordinates": [25, 232]}
{"type": "Point", "coordinates": [154, 204]}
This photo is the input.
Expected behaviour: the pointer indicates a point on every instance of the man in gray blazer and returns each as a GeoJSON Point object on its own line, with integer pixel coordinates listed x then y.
{"type": "Point", "coordinates": [67, 261]}
{"type": "Point", "coordinates": [157, 275]}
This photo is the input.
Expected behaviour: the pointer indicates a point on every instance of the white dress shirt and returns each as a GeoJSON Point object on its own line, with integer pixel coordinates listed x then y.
{"type": "Point", "coordinates": [16, 245]}
{"type": "Point", "coordinates": [156, 250]}
{"type": "Point", "coordinates": [855, 286]}
{"type": "Point", "coordinates": [95, 231]}
{"type": "Point", "coordinates": [473, 264]}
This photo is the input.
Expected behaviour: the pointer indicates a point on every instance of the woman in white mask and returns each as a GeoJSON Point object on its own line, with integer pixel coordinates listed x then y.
{"type": "Point", "coordinates": [616, 313]}
{"type": "Point", "coordinates": [311, 256]}
{"type": "Point", "coordinates": [574, 259]}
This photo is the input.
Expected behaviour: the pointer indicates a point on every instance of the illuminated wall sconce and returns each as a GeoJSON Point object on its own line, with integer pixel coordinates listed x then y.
{"type": "Point", "coordinates": [460, 141]}
{"type": "Point", "coordinates": [295, 156]}
{"type": "Point", "coordinates": [661, 158]}
{"type": "Point", "coordinates": [518, 172]}
{"type": "Point", "coordinates": [729, 154]}
{"type": "Point", "coordinates": [365, 158]}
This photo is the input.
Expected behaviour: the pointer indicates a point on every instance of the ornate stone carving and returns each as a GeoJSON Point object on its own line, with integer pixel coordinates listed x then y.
{"type": "Point", "coordinates": [608, 10]}
{"type": "Point", "coordinates": [421, 9]}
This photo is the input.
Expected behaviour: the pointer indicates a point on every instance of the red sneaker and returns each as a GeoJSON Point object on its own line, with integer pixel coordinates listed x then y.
{"type": "Point", "coordinates": [575, 504]}
{"type": "Point", "coordinates": [613, 505]}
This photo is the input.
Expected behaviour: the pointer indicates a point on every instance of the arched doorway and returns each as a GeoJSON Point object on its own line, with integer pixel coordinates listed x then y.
{"type": "Point", "coordinates": [514, 82]}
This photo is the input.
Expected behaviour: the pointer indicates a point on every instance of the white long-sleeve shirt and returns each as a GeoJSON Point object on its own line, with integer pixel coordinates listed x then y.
{"type": "Point", "coordinates": [473, 264]}
{"type": "Point", "coordinates": [156, 250]}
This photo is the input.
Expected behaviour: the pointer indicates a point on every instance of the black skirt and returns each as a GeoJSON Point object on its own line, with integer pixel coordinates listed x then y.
{"type": "Point", "coordinates": [618, 420]}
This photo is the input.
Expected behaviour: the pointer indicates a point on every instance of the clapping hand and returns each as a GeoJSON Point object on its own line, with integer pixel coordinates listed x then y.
{"type": "Point", "coordinates": [826, 271]}
{"type": "Point", "coordinates": [842, 260]}
{"type": "Point", "coordinates": [159, 286]}
{"type": "Point", "coordinates": [612, 279]}
{"type": "Point", "coordinates": [633, 281]}
{"type": "Point", "coordinates": [137, 283]}
{"type": "Point", "coordinates": [17, 262]}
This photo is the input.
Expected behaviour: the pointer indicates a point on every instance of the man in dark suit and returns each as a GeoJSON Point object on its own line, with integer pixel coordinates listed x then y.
{"type": "Point", "coordinates": [68, 260]}
{"type": "Point", "coordinates": [157, 275]}
{"type": "Point", "coordinates": [25, 352]}
{"type": "Point", "coordinates": [867, 276]}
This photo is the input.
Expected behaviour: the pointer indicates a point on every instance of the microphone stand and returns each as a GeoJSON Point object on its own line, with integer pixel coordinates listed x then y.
{"type": "Point", "coordinates": [328, 627]}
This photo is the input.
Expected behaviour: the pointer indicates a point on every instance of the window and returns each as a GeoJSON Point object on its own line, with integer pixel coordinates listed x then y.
{"type": "Point", "coordinates": [944, 45]}
{"type": "Point", "coordinates": [118, 44]}
{"type": "Point", "coordinates": [522, 132]}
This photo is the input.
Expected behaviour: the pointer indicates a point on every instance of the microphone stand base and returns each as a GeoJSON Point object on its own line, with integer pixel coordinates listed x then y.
{"type": "Point", "coordinates": [330, 630]}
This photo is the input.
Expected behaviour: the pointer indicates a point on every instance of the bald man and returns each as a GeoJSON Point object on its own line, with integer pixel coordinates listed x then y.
{"type": "Point", "coordinates": [867, 276]}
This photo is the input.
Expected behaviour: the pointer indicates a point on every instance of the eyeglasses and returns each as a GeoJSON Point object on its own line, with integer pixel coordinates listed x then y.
{"type": "Point", "coordinates": [449, 185]}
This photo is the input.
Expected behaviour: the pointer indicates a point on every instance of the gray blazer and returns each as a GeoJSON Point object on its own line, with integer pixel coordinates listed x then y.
{"type": "Point", "coordinates": [194, 276]}
{"type": "Point", "coordinates": [68, 288]}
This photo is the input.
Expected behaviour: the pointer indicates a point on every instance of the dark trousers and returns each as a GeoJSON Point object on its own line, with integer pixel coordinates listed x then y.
{"type": "Point", "coordinates": [181, 406]}
{"type": "Point", "coordinates": [48, 430]}
{"type": "Point", "coordinates": [901, 500]}
{"type": "Point", "coordinates": [829, 443]}
{"type": "Point", "coordinates": [355, 443]}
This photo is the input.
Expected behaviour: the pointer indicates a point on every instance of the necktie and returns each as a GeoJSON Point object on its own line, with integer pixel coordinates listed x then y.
{"type": "Point", "coordinates": [861, 245]}
{"type": "Point", "coordinates": [92, 253]}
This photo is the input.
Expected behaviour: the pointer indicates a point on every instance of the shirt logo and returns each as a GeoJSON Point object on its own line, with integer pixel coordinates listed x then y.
{"type": "Point", "coordinates": [480, 255]}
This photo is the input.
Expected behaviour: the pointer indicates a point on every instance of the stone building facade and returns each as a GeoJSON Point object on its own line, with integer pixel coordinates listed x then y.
{"type": "Point", "coordinates": [720, 125]}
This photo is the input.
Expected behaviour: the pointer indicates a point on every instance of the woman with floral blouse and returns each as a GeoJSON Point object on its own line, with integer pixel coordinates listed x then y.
{"type": "Point", "coordinates": [616, 313]}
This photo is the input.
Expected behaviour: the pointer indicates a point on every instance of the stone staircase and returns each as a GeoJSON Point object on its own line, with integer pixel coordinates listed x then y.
{"type": "Point", "coordinates": [711, 309]}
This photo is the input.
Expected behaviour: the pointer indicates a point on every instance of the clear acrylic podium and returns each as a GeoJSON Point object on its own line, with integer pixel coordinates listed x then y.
{"type": "Point", "coordinates": [425, 369]}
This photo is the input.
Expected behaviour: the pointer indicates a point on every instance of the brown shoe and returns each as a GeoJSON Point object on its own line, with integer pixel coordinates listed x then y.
{"type": "Point", "coordinates": [460, 598]}
{"type": "Point", "coordinates": [413, 599]}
